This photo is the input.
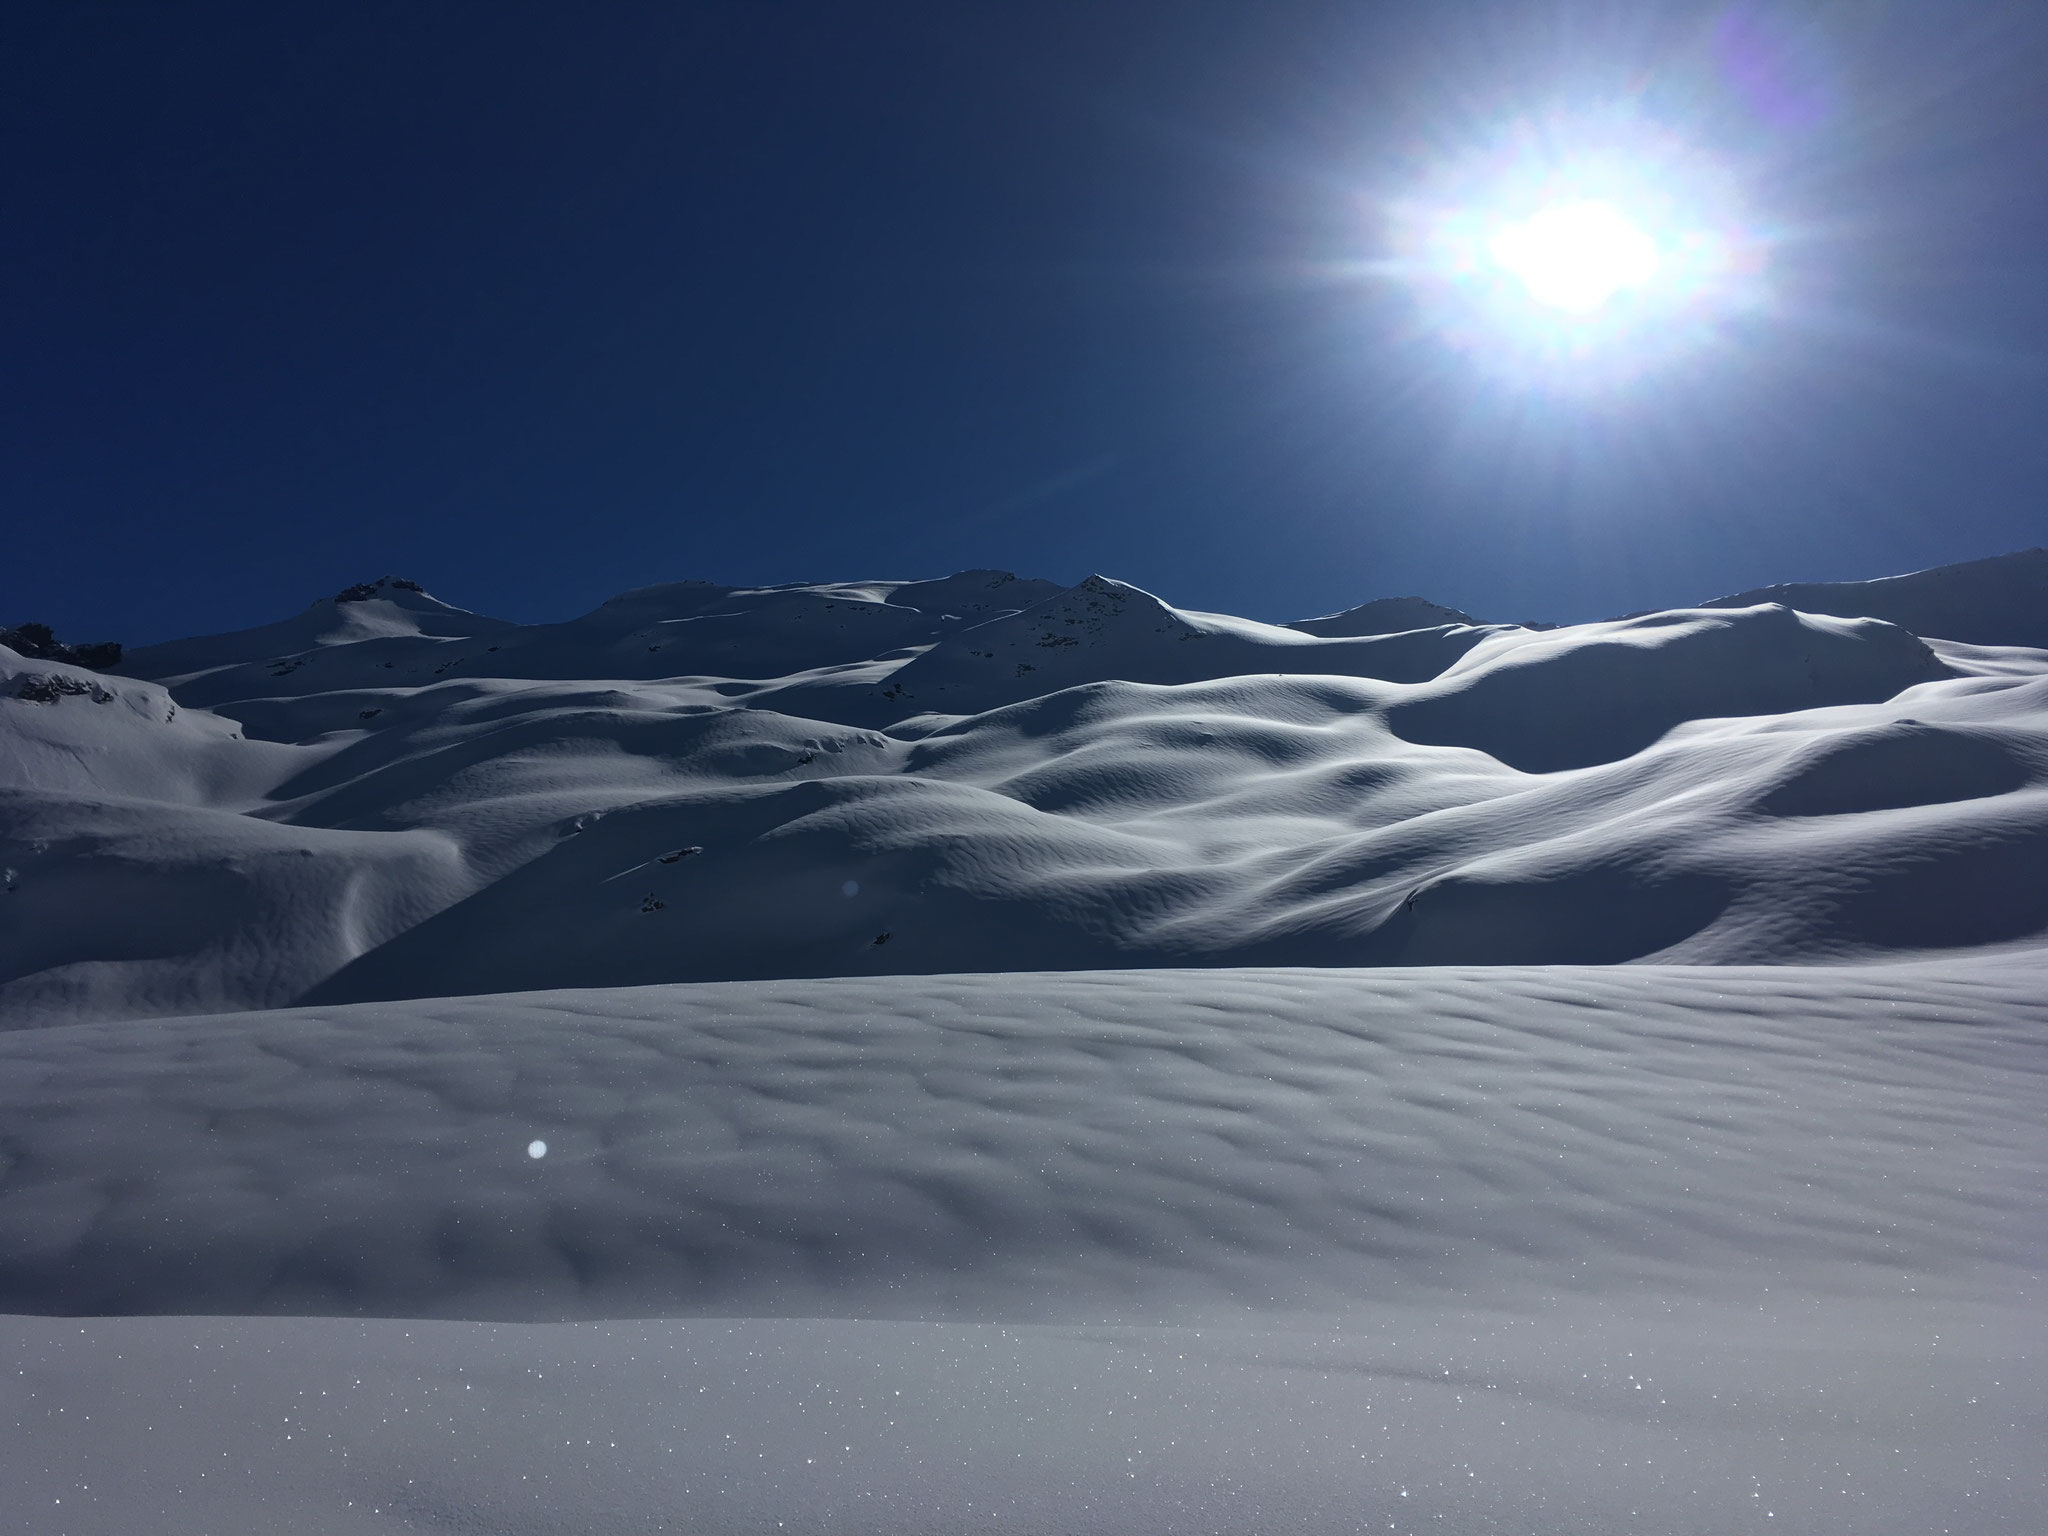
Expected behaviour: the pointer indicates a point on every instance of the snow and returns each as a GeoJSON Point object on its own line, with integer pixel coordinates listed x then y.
{"type": "Point", "coordinates": [1548, 1249]}
{"type": "Point", "coordinates": [1384, 616]}
{"type": "Point", "coordinates": [935, 1055]}
{"type": "Point", "coordinates": [1879, 1420]}
{"type": "Point", "coordinates": [1594, 693]}
{"type": "Point", "coordinates": [1137, 1145]}
{"type": "Point", "coordinates": [1999, 601]}
{"type": "Point", "coordinates": [418, 802]}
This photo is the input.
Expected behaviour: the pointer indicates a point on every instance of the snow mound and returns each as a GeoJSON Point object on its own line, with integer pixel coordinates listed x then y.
{"type": "Point", "coordinates": [1384, 616]}
{"type": "Point", "coordinates": [1569, 698]}
{"type": "Point", "coordinates": [1891, 768]}
{"type": "Point", "coordinates": [1999, 601]}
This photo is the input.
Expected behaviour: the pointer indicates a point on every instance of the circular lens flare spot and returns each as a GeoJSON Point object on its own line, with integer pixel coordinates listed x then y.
{"type": "Point", "coordinates": [1576, 256]}
{"type": "Point", "coordinates": [536, 1149]}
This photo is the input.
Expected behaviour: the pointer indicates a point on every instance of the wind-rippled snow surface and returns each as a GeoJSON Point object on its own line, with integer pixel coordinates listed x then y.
{"type": "Point", "coordinates": [1133, 1145]}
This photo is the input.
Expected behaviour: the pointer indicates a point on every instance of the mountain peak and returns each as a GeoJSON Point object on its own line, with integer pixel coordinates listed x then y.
{"type": "Point", "coordinates": [1384, 616]}
{"type": "Point", "coordinates": [401, 590]}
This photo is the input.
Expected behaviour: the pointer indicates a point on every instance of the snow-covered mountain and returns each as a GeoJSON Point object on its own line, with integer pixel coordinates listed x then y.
{"type": "Point", "coordinates": [389, 797]}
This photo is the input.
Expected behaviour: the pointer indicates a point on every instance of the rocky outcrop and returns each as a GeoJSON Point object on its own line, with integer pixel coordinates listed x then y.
{"type": "Point", "coordinates": [37, 643]}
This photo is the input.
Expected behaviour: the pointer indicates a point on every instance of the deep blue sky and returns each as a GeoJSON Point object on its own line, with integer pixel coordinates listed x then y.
{"type": "Point", "coordinates": [535, 303]}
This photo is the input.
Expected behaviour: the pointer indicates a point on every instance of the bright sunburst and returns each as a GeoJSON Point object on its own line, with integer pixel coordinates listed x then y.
{"type": "Point", "coordinates": [1577, 253]}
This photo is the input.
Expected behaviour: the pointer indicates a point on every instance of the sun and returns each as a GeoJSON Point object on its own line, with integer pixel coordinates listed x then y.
{"type": "Point", "coordinates": [1576, 256]}
{"type": "Point", "coordinates": [1576, 251]}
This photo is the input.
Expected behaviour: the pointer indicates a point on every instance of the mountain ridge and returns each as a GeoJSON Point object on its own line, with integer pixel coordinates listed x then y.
{"type": "Point", "coordinates": [386, 796]}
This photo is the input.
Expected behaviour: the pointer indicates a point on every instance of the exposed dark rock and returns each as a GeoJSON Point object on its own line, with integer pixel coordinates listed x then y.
{"type": "Point", "coordinates": [54, 687]}
{"type": "Point", "coordinates": [363, 591]}
{"type": "Point", "coordinates": [36, 642]}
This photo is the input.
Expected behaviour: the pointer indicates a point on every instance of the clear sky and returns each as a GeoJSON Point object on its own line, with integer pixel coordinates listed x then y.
{"type": "Point", "coordinates": [534, 303]}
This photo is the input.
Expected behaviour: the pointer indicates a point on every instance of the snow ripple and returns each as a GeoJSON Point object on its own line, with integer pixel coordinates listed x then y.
{"type": "Point", "coordinates": [1055, 1147]}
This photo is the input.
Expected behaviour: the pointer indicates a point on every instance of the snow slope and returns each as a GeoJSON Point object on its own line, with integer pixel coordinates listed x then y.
{"type": "Point", "coordinates": [1145, 1146]}
{"type": "Point", "coordinates": [389, 798]}
{"type": "Point", "coordinates": [1999, 601]}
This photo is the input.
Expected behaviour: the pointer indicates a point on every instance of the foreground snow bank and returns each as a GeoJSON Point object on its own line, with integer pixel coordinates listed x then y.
{"type": "Point", "coordinates": [1567, 1419]}
{"type": "Point", "coordinates": [1145, 1146]}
